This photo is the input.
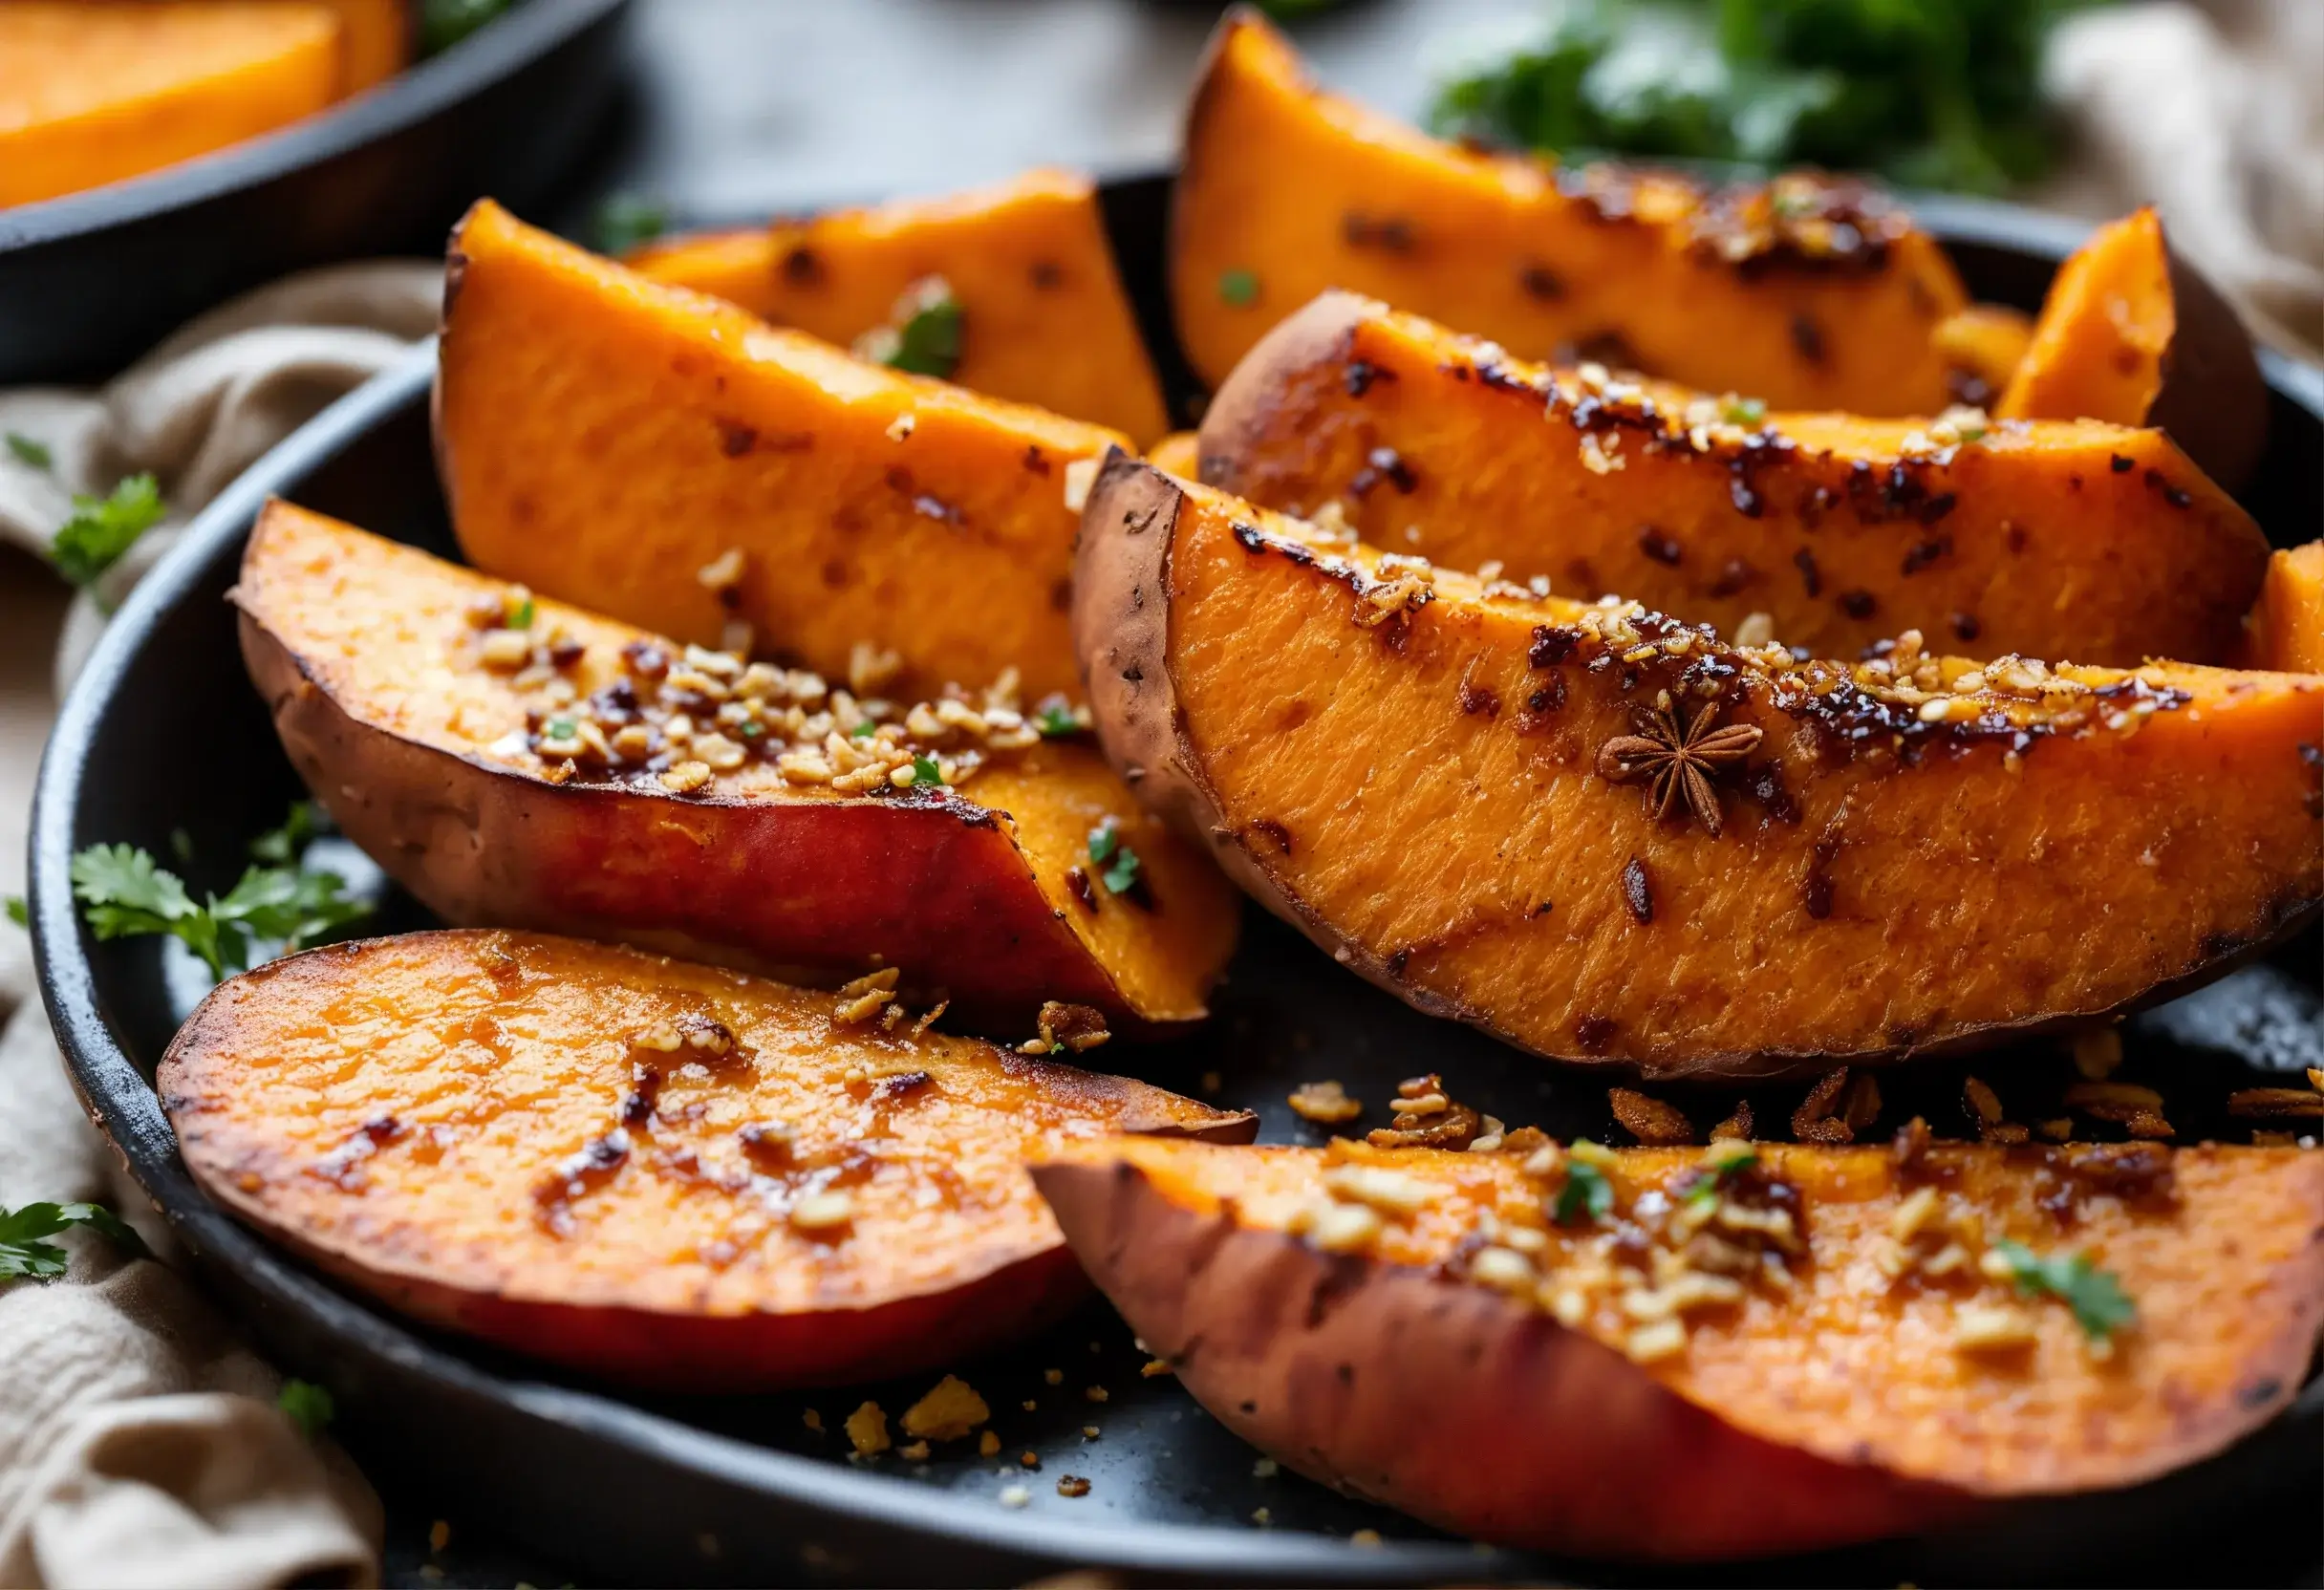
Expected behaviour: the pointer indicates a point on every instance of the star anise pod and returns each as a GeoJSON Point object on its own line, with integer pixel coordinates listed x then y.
{"type": "Point", "coordinates": [1678, 755]}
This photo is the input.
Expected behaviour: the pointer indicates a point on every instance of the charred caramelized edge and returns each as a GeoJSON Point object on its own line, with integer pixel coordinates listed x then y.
{"type": "Point", "coordinates": [1142, 725]}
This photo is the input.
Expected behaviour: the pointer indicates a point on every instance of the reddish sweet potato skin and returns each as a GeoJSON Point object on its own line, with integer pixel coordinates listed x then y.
{"type": "Point", "coordinates": [1285, 1345]}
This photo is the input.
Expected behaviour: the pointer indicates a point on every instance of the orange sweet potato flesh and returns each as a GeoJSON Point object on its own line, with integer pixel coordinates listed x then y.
{"type": "Point", "coordinates": [1837, 1411]}
{"type": "Point", "coordinates": [2286, 628]}
{"type": "Point", "coordinates": [2055, 538]}
{"type": "Point", "coordinates": [1179, 453]}
{"type": "Point", "coordinates": [375, 41]}
{"type": "Point", "coordinates": [361, 650]}
{"type": "Point", "coordinates": [1415, 776]}
{"type": "Point", "coordinates": [603, 438]}
{"type": "Point", "coordinates": [1983, 345]}
{"type": "Point", "coordinates": [94, 93]}
{"type": "Point", "coordinates": [2130, 334]}
{"type": "Point", "coordinates": [1285, 190]}
{"type": "Point", "coordinates": [1043, 317]}
{"type": "Point", "coordinates": [418, 1115]}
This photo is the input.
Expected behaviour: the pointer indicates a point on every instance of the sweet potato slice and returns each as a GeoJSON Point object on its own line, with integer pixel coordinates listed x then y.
{"type": "Point", "coordinates": [667, 1174]}
{"type": "Point", "coordinates": [1043, 320]}
{"type": "Point", "coordinates": [1602, 834]}
{"type": "Point", "coordinates": [1179, 453]}
{"type": "Point", "coordinates": [1982, 346]}
{"type": "Point", "coordinates": [2060, 539]}
{"type": "Point", "coordinates": [375, 38]}
{"type": "Point", "coordinates": [2286, 628]}
{"type": "Point", "coordinates": [1478, 1364]}
{"type": "Point", "coordinates": [2132, 334]}
{"type": "Point", "coordinates": [505, 790]}
{"type": "Point", "coordinates": [1809, 292]}
{"type": "Point", "coordinates": [92, 93]}
{"type": "Point", "coordinates": [604, 439]}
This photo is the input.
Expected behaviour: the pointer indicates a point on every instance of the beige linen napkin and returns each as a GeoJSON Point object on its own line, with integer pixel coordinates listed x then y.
{"type": "Point", "coordinates": [140, 1443]}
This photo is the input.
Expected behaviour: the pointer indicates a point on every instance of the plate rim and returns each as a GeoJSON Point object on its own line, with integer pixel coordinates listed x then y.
{"type": "Point", "coordinates": [421, 91]}
{"type": "Point", "coordinates": [126, 1108]}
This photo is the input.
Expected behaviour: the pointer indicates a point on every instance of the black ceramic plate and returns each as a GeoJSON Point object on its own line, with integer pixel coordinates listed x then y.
{"type": "Point", "coordinates": [88, 281]}
{"type": "Point", "coordinates": [163, 732]}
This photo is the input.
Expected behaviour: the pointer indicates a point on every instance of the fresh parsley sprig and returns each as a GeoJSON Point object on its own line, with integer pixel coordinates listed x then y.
{"type": "Point", "coordinates": [927, 339]}
{"type": "Point", "coordinates": [309, 1405]}
{"type": "Point", "coordinates": [102, 528]}
{"type": "Point", "coordinates": [1120, 862]}
{"type": "Point", "coordinates": [125, 893]}
{"type": "Point", "coordinates": [29, 452]}
{"type": "Point", "coordinates": [1587, 1191]}
{"type": "Point", "coordinates": [2097, 1300]}
{"type": "Point", "coordinates": [24, 1255]}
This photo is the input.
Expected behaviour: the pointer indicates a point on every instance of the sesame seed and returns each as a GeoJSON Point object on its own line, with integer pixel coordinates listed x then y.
{"type": "Point", "coordinates": [822, 1212]}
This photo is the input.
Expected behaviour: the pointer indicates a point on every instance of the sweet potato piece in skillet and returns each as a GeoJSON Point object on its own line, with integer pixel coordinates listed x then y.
{"type": "Point", "coordinates": [671, 461]}
{"type": "Point", "coordinates": [2286, 628]}
{"type": "Point", "coordinates": [1042, 318]}
{"type": "Point", "coordinates": [1808, 292]}
{"type": "Point", "coordinates": [661, 1173]}
{"type": "Point", "coordinates": [2055, 538]}
{"type": "Point", "coordinates": [2131, 333]}
{"type": "Point", "coordinates": [582, 776]}
{"type": "Point", "coordinates": [1604, 834]}
{"type": "Point", "coordinates": [1419, 1327]}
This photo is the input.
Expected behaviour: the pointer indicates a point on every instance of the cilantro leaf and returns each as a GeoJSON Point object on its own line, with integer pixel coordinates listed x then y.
{"type": "Point", "coordinates": [1104, 839]}
{"type": "Point", "coordinates": [1122, 876]}
{"type": "Point", "coordinates": [1056, 720]}
{"type": "Point", "coordinates": [28, 451]}
{"type": "Point", "coordinates": [1238, 288]}
{"type": "Point", "coordinates": [1120, 862]}
{"type": "Point", "coordinates": [626, 219]}
{"type": "Point", "coordinates": [19, 912]}
{"type": "Point", "coordinates": [928, 341]}
{"type": "Point", "coordinates": [2099, 1304]}
{"type": "Point", "coordinates": [1587, 1191]}
{"type": "Point", "coordinates": [1710, 1178]}
{"type": "Point", "coordinates": [102, 528]}
{"type": "Point", "coordinates": [925, 772]}
{"type": "Point", "coordinates": [22, 1253]}
{"type": "Point", "coordinates": [309, 1405]}
{"type": "Point", "coordinates": [283, 846]}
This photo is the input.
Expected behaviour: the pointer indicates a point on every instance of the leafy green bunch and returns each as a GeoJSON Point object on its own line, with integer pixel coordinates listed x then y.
{"type": "Point", "coordinates": [125, 893]}
{"type": "Point", "coordinates": [1930, 93]}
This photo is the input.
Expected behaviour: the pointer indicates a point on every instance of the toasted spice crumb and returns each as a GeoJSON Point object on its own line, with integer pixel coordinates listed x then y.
{"type": "Point", "coordinates": [1096, 1393]}
{"type": "Point", "coordinates": [1090, 1432]}
{"type": "Point", "coordinates": [1650, 1120]}
{"type": "Point", "coordinates": [2097, 1052]}
{"type": "Point", "coordinates": [1736, 1125]}
{"type": "Point", "coordinates": [868, 1429]}
{"type": "Point", "coordinates": [914, 1452]}
{"type": "Point", "coordinates": [2276, 1102]}
{"type": "Point", "coordinates": [1262, 1517]}
{"type": "Point", "coordinates": [440, 1536]}
{"type": "Point", "coordinates": [1028, 1460]}
{"type": "Point", "coordinates": [949, 1411]}
{"type": "Point", "coordinates": [1325, 1102]}
{"type": "Point", "coordinates": [1154, 1367]}
{"type": "Point", "coordinates": [1814, 1122]}
{"type": "Point", "coordinates": [989, 1445]}
{"type": "Point", "coordinates": [1364, 1537]}
{"type": "Point", "coordinates": [813, 1420]}
{"type": "Point", "coordinates": [1072, 1485]}
{"type": "Point", "coordinates": [1055, 1377]}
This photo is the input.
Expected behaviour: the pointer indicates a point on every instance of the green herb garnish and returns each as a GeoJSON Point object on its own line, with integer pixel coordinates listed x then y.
{"type": "Point", "coordinates": [626, 219]}
{"type": "Point", "coordinates": [1587, 1191]}
{"type": "Point", "coordinates": [444, 23]}
{"type": "Point", "coordinates": [864, 730]}
{"type": "Point", "coordinates": [1238, 288]}
{"type": "Point", "coordinates": [2100, 1305]}
{"type": "Point", "coordinates": [28, 451]}
{"type": "Point", "coordinates": [309, 1405]}
{"type": "Point", "coordinates": [926, 340]}
{"type": "Point", "coordinates": [19, 912]}
{"type": "Point", "coordinates": [752, 731]}
{"type": "Point", "coordinates": [1931, 92]}
{"type": "Point", "coordinates": [283, 846]}
{"type": "Point", "coordinates": [925, 772]}
{"type": "Point", "coordinates": [23, 1254]}
{"type": "Point", "coordinates": [560, 728]}
{"type": "Point", "coordinates": [1120, 862]}
{"type": "Point", "coordinates": [1710, 1178]}
{"type": "Point", "coordinates": [521, 618]}
{"type": "Point", "coordinates": [1746, 412]}
{"type": "Point", "coordinates": [102, 528]}
{"type": "Point", "coordinates": [1056, 720]}
{"type": "Point", "coordinates": [124, 893]}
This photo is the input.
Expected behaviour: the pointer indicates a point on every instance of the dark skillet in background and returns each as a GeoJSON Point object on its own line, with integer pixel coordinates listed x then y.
{"type": "Point", "coordinates": [89, 280]}
{"type": "Point", "coordinates": [163, 731]}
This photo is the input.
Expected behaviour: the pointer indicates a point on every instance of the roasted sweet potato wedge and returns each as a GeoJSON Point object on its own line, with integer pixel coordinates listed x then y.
{"type": "Point", "coordinates": [375, 38]}
{"type": "Point", "coordinates": [579, 775]}
{"type": "Point", "coordinates": [91, 94]}
{"type": "Point", "coordinates": [1179, 453]}
{"type": "Point", "coordinates": [2059, 539]}
{"type": "Point", "coordinates": [2133, 334]}
{"type": "Point", "coordinates": [1982, 346]}
{"type": "Point", "coordinates": [667, 1174]}
{"type": "Point", "coordinates": [1041, 317]}
{"type": "Point", "coordinates": [2286, 628]}
{"type": "Point", "coordinates": [651, 453]}
{"type": "Point", "coordinates": [1602, 834]}
{"type": "Point", "coordinates": [1786, 1348]}
{"type": "Point", "coordinates": [1808, 292]}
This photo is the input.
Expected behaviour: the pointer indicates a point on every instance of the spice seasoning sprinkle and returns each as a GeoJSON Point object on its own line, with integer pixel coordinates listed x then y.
{"type": "Point", "coordinates": [1899, 700]}
{"type": "Point", "coordinates": [677, 719]}
{"type": "Point", "coordinates": [1326, 1103]}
